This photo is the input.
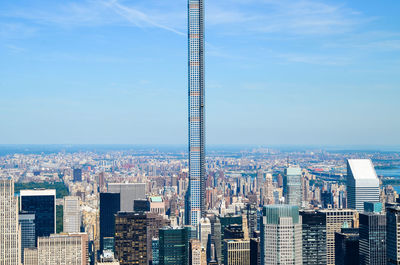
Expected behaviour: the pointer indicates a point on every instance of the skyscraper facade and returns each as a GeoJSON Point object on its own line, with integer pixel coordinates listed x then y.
{"type": "Point", "coordinates": [9, 228]}
{"type": "Point", "coordinates": [314, 237]}
{"type": "Point", "coordinates": [43, 203]}
{"type": "Point", "coordinates": [63, 249]}
{"type": "Point", "coordinates": [27, 224]}
{"type": "Point", "coordinates": [71, 215]}
{"type": "Point", "coordinates": [347, 247]}
{"type": "Point", "coordinates": [362, 183]}
{"type": "Point", "coordinates": [174, 246]}
{"type": "Point", "coordinates": [335, 220]}
{"type": "Point", "coordinates": [109, 206]}
{"type": "Point", "coordinates": [77, 174]}
{"type": "Point", "coordinates": [292, 186]}
{"type": "Point", "coordinates": [131, 238]}
{"type": "Point", "coordinates": [129, 192]}
{"type": "Point", "coordinates": [393, 235]}
{"type": "Point", "coordinates": [237, 251]}
{"type": "Point", "coordinates": [281, 240]}
{"type": "Point", "coordinates": [195, 206]}
{"type": "Point", "coordinates": [372, 238]}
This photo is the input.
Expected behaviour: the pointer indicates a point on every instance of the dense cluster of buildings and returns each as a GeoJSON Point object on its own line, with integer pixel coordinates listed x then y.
{"type": "Point", "coordinates": [158, 208]}
{"type": "Point", "coordinates": [263, 218]}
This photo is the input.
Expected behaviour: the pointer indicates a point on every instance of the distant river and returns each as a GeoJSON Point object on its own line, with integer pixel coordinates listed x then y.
{"type": "Point", "coordinates": [394, 172]}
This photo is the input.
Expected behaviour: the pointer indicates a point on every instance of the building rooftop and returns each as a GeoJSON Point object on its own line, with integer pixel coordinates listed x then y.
{"type": "Point", "coordinates": [362, 168]}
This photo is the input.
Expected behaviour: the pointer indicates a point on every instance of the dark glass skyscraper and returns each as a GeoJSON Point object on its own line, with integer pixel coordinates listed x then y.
{"type": "Point", "coordinates": [195, 196]}
{"type": "Point", "coordinates": [347, 247]}
{"type": "Point", "coordinates": [27, 223]}
{"type": "Point", "coordinates": [372, 238]}
{"type": "Point", "coordinates": [109, 206]}
{"type": "Point", "coordinates": [314, 237]}
{"type": "Point", "coordinates": [77, 174]}
{"type": "Point", "coordinates": [393, 235]}
{"type": "Point", "coordinates": [131, 238]}
{"type": "Point", "coordinates": [174, 246]}
{"type": "Point", "coordinates": [43, 204]}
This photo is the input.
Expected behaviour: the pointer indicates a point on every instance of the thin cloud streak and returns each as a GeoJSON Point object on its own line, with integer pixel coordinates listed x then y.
{"type": "Point", "coordinates": [91, 14]}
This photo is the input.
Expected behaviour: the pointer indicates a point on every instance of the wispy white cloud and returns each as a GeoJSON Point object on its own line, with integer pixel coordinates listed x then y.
{"type": "Point", "coordinates": [305, 17]}
{"type": "Point", "coordinates": [91, 13]}
{"type": "Point", "coordinates": [137, 17]}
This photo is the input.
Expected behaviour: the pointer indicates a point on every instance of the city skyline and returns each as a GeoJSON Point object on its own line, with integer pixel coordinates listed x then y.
{"type": "Point", "coordinates": [298, 72]}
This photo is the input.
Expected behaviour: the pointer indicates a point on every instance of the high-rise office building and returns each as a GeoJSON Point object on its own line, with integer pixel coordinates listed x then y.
{"type": "Point", "coordinates": [63, 249]}
{"type": "Point", "coordinates": [71, 215]}
{"type": "Point", "coordinates": [174, 246]}
{"type": "Point", "coordinates": [196, 191]}
{"type": "Point", "coordinates": [314, 237]}
{"type": "Point", "coordinates": [251, 214]}
{"type": "Point", "coordinates": [215, 240]}
{"type": "Point", "coordinates": [292, 186]}
{"type": "Point", "coordinates": [335, 220]}
{"type": "Point", "coordinates": [255, 258]}
{"type": "Point", "coordinates": [347, 247]}
{"type": "Point", "coordinates": [155, 251]}
{"type": "Point", "coordinates": [109, 206]}
{"type": "Point", "coordinates": [129, 192]}
{"type": "Point", "coordinates": [393, 235]}
{"type": "Point", "coordinates": [236, 251]}
{"type": "Point", "coordinates": [77, 174]}
{"type": "Point", "coordinates": [362, 183]}
{"type": "Point", "coordinates": [10, 249]}
{"type": "Point", "coordinates": [154, 223]}
{"type": "Point", "coordinates": [27, 224]}
{"type": "Point", "coordinates": [131, 238]}
{"type": "Point", "coordinates": [196, 256]}
{"type": "Point", "coordinates": [226, 221]}
{"type": "Point", "coordinates": [43, 203]}
{"type": "Point", "coordinates": [372, 236]}
{"type": "Point", "coordinates": [30, 256]}
{"type": "Point", "coordinates": [281, 240]}
{"type": "Point", "coordinates": [204, 231]}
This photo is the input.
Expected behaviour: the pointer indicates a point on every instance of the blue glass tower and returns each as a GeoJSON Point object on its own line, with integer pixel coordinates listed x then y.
{"type": "Point", "coordinates": [195, 197]}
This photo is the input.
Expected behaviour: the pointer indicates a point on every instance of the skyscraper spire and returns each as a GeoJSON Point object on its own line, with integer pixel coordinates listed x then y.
{"type": "Point", "coordinates": [195, 196]}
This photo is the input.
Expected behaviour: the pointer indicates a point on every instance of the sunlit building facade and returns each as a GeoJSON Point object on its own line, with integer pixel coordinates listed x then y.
{"type": "Point", "coordinates": [195, 205]}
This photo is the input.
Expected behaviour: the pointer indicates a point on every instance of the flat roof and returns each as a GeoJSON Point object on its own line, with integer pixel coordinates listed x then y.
{"type": "Point", "coordinates": [38, 192]}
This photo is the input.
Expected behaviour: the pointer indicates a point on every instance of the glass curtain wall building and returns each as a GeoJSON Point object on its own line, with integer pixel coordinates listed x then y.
{"type": "Point", "coordinates": [43, 203]}
{"type": "Point", "coordinates": [27, 224]}
{"type": "Point", "coordinates": [195, 196]}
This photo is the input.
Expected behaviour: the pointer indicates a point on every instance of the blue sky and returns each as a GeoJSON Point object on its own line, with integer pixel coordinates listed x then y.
{"type": "Point", "coordinates": [277, 72]}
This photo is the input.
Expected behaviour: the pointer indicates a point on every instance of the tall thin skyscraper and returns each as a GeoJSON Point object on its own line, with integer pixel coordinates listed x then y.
{"type": "Point", "coordinates": [196, 189]}
{"type": "Point", "coordinates": [9, 227]}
